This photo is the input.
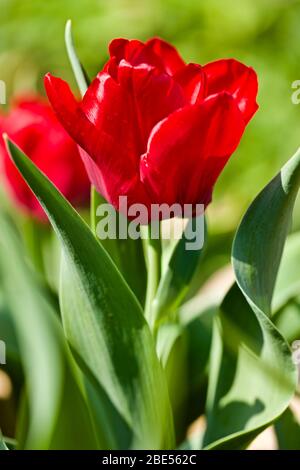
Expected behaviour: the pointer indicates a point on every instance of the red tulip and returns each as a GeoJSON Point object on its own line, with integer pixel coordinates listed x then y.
{"type": "Point", "coordinates": [153, 128]}
{"type": "Point", "coordinates": [32, 125]}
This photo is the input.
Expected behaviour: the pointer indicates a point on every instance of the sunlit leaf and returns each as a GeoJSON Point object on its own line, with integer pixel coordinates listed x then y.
{"type": "Point", "coordinates": [252, 376]}
{"type": "Point", "coordinates": [288, 281]}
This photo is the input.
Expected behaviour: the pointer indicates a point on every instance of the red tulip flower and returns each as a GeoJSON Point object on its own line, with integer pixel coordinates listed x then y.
{"type": "Point", "coordinates": [154, 128]}
{"type": "Point", "coordinates": [32, 125]}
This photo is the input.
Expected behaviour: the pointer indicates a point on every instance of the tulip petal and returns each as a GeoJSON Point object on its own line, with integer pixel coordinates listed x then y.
{"type": "Point", "coordinates": [135, 53]}
{"type": "Point", "coordinates": [105, 153]}
{"type": "Point", "coordinates": [67, 108]}
{"type": "Point", "coordinates": [188, 150]}
{"type": "Point", "coordinates": [168, 54]}
{"type": "Point", "coordinates": [235, 78]}
{"type": "Point", "coordinates": [148, 97]}
{"type": "Point", "coordinates": [117, 48]}
{"type": "Point", "coordinates": [124, 114]}
{"type": "Point", "coordinates": [155, 52]}
{"type": "Point", "coordinates": [192, 79]}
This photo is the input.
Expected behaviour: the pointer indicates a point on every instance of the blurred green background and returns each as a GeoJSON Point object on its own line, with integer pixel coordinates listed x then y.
{"type": "Point", "coordinates": [262, 33]}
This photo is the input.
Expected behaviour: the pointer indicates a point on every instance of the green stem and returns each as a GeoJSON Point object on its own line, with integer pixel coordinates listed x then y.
{"type": "Point", "coordinates": [153, 257]}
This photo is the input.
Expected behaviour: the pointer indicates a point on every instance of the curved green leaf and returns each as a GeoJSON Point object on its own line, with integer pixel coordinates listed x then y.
{"type": "Point", "coordinates": [288, 280]}
{"type": "Point", "coordinates": [259, 241]}
{"type": "Point", "coordinates": [103, 321]}
{"type": "Point", "coordinates": [252, 375]}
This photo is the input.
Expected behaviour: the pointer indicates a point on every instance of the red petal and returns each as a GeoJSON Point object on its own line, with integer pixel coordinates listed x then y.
{"type": "Point", "coordinates": [111, 67]}
{"type": "Point", "coordinates": [168, 54]}
{"type": "Point", "coordinates": [103, 147]}
{"type": "Point", "coordinates": [67, 108]}
{"type": "Point", "coordinates": [135, 53]}
{"type": "Point", "coordinates": [148, 97]}
{"type": "Point", "coordinates": [117, 48]}
{"type": "Point", "coordinates": [188, 150]}
{"type": "Point", "coordinates": [113, 123]}
{"type": "Point", "coordinates": [192, 79]}
{"type": "Point", "coordinates": [154, 52]}
{"type": "Point", "coordinates": [94, 174]}
{"type": "Point", "coordinates": [235, 78]}
{"type": "Point", "coordinates": [124, 114]}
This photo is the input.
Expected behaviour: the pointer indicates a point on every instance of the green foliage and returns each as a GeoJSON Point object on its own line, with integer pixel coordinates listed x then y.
{"type": "Point", "coordinates": [252, 376]}
{"type": "Point", "coordinates": [103, 322]}
{"type": "Point", "coordinates": [52, 396]}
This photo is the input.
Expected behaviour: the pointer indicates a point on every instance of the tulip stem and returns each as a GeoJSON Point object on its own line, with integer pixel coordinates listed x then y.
{"type": "Point", "coordinates": [153, 260]}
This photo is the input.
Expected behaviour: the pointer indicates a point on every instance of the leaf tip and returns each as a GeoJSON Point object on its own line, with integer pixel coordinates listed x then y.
{"type": "Point", "coordinates": [68, 26]}
{"type": "Point", "coordinates": [7, 142]}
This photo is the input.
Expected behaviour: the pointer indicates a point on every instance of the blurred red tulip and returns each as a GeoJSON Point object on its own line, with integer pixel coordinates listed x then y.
{"type": "Point", "coordinates": [32, 125]}
{"type": "Point", "coordinates": [153, 128]}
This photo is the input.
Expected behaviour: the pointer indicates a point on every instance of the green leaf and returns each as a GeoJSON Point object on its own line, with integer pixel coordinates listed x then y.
{"type": "Point", "coordinates": [40, 353]}
{"type": "Point", "coordinates": [103, 321]}
{"type": "Point", "coordinates": [8, 333]}
{"type": "Point", "coordinates": [288, 431]}
{"type": "Point", "coordinates": [184, 349]}
{"type": "Point", "coordinates": [288, 280]}
{"type": "Point", "coordinates": [177, 274]}
{"type": "Point", "coordinates": [287, 320]}
{"type": "Point", "coordinates": [121, 250]}
{"type": "Point", "coordinates": [252, 377]}
{"type": "Point", "coordinates": [259, 242]}
{"type": "Point", "coordinates": [172, 348]}
{"type": "Point", "coordinates": [43, 352]}
{"type": "Point", "coordinates": [198, 327]}
{"type": "Point", "coordinates": [78, 70]}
